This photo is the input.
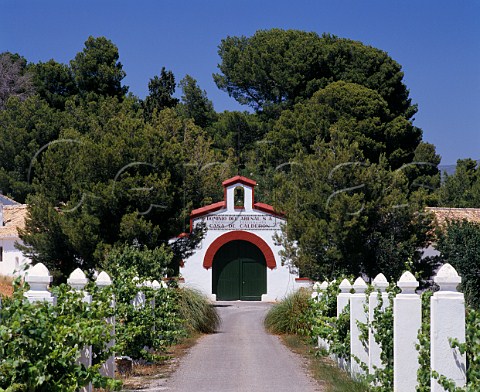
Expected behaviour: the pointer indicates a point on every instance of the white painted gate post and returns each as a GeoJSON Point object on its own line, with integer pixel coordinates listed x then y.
{"type": "Point", "coordinates": [39, 279]}
{"type": "Point", "coordinates": [139, 301]}
{"type": "Point", "coordinates": [155, 286]}
{"type": "Point", "coordinates": [343, 300]}
{"type": "Point", "coordinates": [321, 288]}
{"type": "Point", "coordinates": [380, 285]}
{"type": "Point", "coordinates": [78, 281]}
{"type": "Point", "coordinates": [108, 368]}
{"type": "Point", "coordinates": [407, 320]}
{"type": "Point", "coordinates": [358, 314]}
{"type": "Point", "coordinates": [447, 322]}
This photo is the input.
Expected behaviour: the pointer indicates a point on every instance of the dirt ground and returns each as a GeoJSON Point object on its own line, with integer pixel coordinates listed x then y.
{"type": "Point", "coordinates": [148, 375]}
{"type": "Point", "coordinates": [6, 287]}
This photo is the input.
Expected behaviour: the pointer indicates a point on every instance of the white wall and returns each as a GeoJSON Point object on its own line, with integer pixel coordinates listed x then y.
{"type": "Point", "coordinates": [13, 259]}
{"type": "Point", "coordinates": [280, 281]}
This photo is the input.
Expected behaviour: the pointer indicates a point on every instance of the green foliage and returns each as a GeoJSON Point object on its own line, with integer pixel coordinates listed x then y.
{"type": "Point", "coordinates": [348, 216]}
{"type": "Point", "coordinates": [346, 102]}
{"type": "Point", "coordinates": [290, 314]}
{"type": "Point", "coordinates": [144, 330]}
{"type": "Point", "coordinates": [382, 326]}
{"type": "Point", "coordinates": [89, 197]}
{"type": "Point", "coordinates": [356, 112]}
{"type": "Point", "coordinates": [424, 173]}
{"type": "Point", "coordinates": [151, 263]}
{"type": "Point", "coordinates": [195, 103]}
{"type": "Point", "coordinates": [462, 189]}
{"type": "Point", "coordinates": [335, 331]}
{"type": "Point", "coordinates": [274, 69]}
{"type": "Point", "coordinates": [238, 132]}
{"type": "Point", "coordinates": [96, 69]}
{"type": "Point", "coordinates": [423, 345]}
{"type": "Point", "coordinates": [459, 245]}
{"type": "Point", "coordinates": [24, 128]}
{"type": "Point", "coordinates": [198, 313]}
{"type": "Point", "coordinates": [53, 82]}
{"type": "Point", "coordinates": [161, 90]}
{"type": "Point", "coordinates": [41, 343]}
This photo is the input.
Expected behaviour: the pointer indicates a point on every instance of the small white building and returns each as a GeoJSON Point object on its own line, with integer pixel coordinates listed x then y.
{"type": "Point", "coordinates": [238, 258]}
{"type": "Point", "coordinates": [12, 217]}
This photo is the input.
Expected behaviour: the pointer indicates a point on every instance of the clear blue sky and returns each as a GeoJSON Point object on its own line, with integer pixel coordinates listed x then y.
{"type": "Point", "coordinates": [436, 42]}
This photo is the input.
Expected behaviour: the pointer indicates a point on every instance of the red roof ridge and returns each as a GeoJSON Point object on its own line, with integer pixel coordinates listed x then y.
{"type": "Point", "coordinates": [241, 179]}
{"type": "Point", "coordinates": [206, 209]}
{"type": "Point", "coordinates": [267, 208]}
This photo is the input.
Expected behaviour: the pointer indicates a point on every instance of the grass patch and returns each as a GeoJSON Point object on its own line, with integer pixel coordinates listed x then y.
{"type": "Point", "coordinates": [322, 368]}
{"type": "Point", "coordinates": [288, 316]}
{"type": "Point", "coordinates": [199, 314]}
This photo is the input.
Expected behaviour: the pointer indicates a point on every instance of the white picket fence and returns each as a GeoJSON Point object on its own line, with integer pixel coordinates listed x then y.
{"type": "Point", "coordinates": [447, 322]}
{"type": "Point", "coordinates": [38, 277]}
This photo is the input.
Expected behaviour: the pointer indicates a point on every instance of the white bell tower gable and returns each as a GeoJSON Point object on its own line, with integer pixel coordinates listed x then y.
{"type": "Point", "coordinates": [245, 186]}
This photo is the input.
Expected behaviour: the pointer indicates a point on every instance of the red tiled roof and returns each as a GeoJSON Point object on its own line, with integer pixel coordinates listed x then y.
{"type": "Point", "coordinates": [13, 218]}
{"type": "Point", "coordinates": [223, 204]}
{"type": "Point", "coordinates": [443, 214]}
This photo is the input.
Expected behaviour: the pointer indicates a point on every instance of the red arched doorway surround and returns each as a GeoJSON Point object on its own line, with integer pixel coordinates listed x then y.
{"type": "Point", "coordinates": [239, 235]}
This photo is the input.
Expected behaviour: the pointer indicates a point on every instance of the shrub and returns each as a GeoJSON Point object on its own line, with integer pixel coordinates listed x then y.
{"type": "Point", "coordinates": [144, 330]}
{"type": "Point", "coordinates": [290, 315]}
{"type": "Point", "coordinates": [197, 312]}
{"type": "Point", "coordinates": [459, 245]}
{"type": "Point", "coordinates": [41, 342]}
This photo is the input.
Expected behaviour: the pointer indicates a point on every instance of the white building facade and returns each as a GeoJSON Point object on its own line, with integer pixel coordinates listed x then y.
{"type": "Point", "coordinates": [12, 217]}
{"type": "Point", "coordinates": [238, 258]}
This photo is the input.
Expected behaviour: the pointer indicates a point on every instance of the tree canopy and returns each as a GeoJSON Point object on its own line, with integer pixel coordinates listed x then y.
{"type": "Point", "coordinates": [110, 176]}
{"type": "Point", "coordinates": [195, 103]}
{"type": "Point", "coordinates": [15, 81]}
{"type": "Point", "coordinates": [360, 113]}
{"type": "Point", "coordinates": [461, 189]}
{"type": "Point", "coordinates": [161, 90]}
{"type": "Point", "coordinates": [459, 244]}
{"type": "Point", "coordinates": [96, 69]}
{"type": "Point", "coordinates": [274, 69]}
{"type": "Point", "coordinates": [349, 216]}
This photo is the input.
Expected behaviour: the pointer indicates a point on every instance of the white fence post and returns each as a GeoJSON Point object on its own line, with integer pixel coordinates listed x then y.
{"type": "Point", "coordinates": [78, 281]}
{"type": "Point", "coordinates": [155, 286]}
{"type": "Point", "coordinates": [343, 300]}
{"type": "Point", "coordinates": [316, 290]}
{"type": "Point", "coordinates": [359, 353]}
{"type": "Point", "coordinates": [39, 279]}
{"type": "Point", "coordinates": [321, 287]}
{"type": "Point", "coordinates": [407, 320]}
{"type": "Point", "coordinates": [139, 300]}
{"type": "Point", "coordinates": [380, 285]}
{"type": "Point", "coordinates": [447, 307]}
{"type": "Point", "coordinates": [108, 368]}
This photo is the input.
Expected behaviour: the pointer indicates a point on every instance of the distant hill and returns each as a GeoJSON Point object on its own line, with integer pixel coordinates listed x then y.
{"type": "Point", "coordinates": [449, 169]}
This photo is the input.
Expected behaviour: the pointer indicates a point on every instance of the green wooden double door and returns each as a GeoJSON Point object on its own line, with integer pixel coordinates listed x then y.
{"type": "Point", "coordinates": [239, 272]}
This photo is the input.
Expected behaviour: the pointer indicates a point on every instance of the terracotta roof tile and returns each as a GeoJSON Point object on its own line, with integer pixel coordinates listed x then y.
{"type": "Point", "coordinates": [13, 218]}
{"type": "Point", "coordinates": [207, 209]}
{"type": "Point", "coordinates": [442, 214]}
{"type": "Point", "coordinates": [240, 179]}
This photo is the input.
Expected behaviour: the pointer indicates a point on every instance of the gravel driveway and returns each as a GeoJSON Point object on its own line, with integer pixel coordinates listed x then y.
{"type": "Point", "coordinates": [241, 357]}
